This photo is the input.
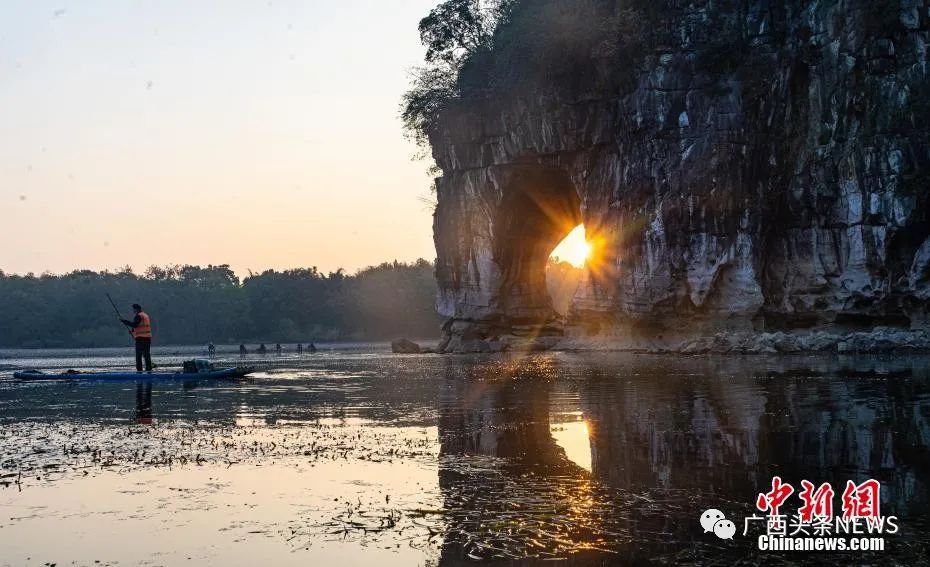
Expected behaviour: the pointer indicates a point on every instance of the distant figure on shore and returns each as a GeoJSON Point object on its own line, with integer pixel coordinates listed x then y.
{"type": "Point", "coordinates": [277, 349]}
{"type": "Point", "coordinates": [262, 349]}
{"type": "Point", "coordinates": [211, 350]}
{"type": "Point", "coordinates": [141, 329]}
{"type": "Point", "coordinates": [300, 348]}
{"type": "Point", "coordinates": [311, 348]}
{"type": "Point", "coordinates": [242, 350]}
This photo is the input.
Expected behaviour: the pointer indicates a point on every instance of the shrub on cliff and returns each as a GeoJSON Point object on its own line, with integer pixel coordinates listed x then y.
{"type": "Point", "coordinates": [477, 48]}
{"type": "Point", "coordinates": [453, 33]}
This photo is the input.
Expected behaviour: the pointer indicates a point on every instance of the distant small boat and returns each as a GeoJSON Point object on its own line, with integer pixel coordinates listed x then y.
{"type": "Point", "coordinates": [215, 374]}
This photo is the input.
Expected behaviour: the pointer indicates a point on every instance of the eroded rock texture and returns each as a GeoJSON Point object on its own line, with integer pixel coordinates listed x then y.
{"type": "Point", "coordinates": [750, 165]}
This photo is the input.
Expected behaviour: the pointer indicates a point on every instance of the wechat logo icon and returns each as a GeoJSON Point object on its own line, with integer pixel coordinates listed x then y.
{"type": "Point", "coordinates": [713, 520]}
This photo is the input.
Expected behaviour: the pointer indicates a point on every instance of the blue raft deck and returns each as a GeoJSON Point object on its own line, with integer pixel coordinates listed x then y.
{"type": "Point", "coordinates": [217, 374]}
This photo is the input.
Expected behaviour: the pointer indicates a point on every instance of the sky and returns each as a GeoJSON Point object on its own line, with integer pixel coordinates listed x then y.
{"type": "Point", "coordinates": [252, 133]}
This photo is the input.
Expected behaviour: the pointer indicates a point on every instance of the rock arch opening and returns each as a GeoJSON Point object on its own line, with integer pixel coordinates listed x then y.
{"type": "Point", "coordinates": [538, 209]}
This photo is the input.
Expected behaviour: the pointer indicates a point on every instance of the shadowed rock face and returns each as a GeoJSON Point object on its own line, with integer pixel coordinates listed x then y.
{"type": "Point", "coordinates": [764, 168]}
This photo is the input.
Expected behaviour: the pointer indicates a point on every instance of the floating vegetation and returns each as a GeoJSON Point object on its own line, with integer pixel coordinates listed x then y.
{"type": "Point", "coordinates": [48, 451]}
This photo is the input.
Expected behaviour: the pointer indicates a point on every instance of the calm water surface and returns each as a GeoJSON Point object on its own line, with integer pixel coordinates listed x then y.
{"type": "Point", "coordinates": [357, 456]}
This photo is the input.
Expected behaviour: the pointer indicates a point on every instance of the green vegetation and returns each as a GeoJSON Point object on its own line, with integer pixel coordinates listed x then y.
{"type": "Point", "coordinates": [478, 48]}
{"type": "Point", "coordinates": [454, 32]}
{"type": "Point", "coordinates": [193, 304]}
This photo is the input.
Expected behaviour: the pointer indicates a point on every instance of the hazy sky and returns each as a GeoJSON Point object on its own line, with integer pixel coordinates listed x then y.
{"type": "Point", "coordinates": [255, 133]}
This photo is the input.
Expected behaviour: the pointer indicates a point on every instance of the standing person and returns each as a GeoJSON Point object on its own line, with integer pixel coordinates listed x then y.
{"type": "Point", "coordinates": [300, 348]}
{"type": "Point", "coordinates": [242, 350]}
{"type": "Point", "coordinates": [277, 349]}
{"type": "Point", "coordinates": [211, 349]}
{"type": "Point", "coordinates": [261, 349]}
{"type": "Point", "coordinates": [141, 329]}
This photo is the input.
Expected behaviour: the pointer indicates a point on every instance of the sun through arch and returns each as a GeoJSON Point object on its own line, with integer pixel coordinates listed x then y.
{"type": "Point", "coordinates": [565, 268]}
{"type": "Point", "coordinates": [574, 248]}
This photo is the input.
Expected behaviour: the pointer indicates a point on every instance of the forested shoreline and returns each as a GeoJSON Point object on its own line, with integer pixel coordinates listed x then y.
{"type": "Point", "coordinates": [194, 305]}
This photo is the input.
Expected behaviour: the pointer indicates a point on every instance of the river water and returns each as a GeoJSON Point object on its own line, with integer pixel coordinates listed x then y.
{"type": "Point", "coordinates": [354, 455]}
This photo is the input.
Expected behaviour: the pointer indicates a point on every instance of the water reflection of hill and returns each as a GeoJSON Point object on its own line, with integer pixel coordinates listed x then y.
{"type": "Point", "coordinates": [670, 437]}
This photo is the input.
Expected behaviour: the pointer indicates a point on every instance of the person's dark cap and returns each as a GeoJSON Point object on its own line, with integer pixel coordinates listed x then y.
{"type": "Point", "coordinates": [137, 306]}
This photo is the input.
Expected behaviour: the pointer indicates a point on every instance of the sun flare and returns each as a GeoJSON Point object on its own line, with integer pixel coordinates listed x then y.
{"type": "Point", "coordinates": [574, 248]}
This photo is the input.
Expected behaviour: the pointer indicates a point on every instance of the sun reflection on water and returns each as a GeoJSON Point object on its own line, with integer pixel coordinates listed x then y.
{"type": "Point", "coordinates": [575, 439]}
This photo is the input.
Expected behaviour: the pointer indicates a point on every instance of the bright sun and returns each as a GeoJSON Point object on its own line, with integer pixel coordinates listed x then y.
{"type": "Point", "coordinates": [573, 249]}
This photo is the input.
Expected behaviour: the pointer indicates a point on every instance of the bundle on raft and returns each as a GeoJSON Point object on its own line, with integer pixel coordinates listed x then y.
{"type": "Point", "coordinates": [193, 369]}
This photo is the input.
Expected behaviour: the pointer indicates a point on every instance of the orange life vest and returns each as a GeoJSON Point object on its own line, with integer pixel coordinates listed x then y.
{"type": "Point", "coordinates": [144, 330]}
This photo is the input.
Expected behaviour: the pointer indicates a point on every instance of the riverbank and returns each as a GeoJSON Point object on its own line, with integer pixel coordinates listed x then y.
{"type": "Point", "coordinates": [876, 341]}
{"type": "Point", "coordinates": [879, 340]}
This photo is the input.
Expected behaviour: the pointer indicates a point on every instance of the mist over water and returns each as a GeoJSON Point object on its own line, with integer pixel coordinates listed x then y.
{"type": "Point", "coordinates": [355, 454]}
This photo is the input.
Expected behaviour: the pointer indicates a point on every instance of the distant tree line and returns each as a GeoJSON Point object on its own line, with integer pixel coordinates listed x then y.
{"type": "Point", "coordinates": [194, 304]}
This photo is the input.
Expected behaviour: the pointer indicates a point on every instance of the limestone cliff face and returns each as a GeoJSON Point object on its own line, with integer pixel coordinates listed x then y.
{"type": "Point", "coordinates": [753, 165]}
